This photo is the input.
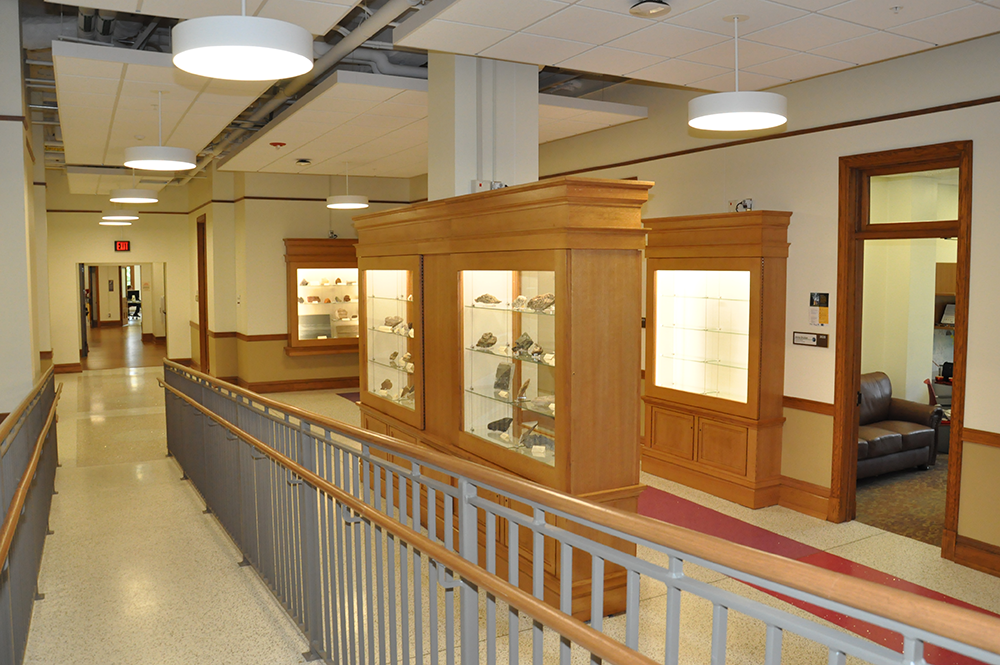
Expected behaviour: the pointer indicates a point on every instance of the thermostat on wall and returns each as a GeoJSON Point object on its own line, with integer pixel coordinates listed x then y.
{"type": "Point", "coordinates": [810, 339]}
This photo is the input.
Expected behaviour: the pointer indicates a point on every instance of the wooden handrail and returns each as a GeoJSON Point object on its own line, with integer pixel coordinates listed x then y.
{"type": "Point", "coordinates": [8, 423]}
{"type": "Point", "coordinates": [578, 632]}
{"type": "Point", "coordinates": [13, 515]}
{"type": "Point", "coordinates": [964, 625]}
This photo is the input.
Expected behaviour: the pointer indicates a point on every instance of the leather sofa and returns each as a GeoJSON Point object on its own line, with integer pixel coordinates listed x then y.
{"type": "Point", "coordinates": [894, 434]}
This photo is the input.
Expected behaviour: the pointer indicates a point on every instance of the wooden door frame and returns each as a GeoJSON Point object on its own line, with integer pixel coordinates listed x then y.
{"type": "Point", "coordinates": [203, 363]}
{"type": "Point", "coordinates": [122, 298]}
{"type": "Point", "coordinates": [94, 275]}
{"type": "Point", "coordinates": [855, 172]}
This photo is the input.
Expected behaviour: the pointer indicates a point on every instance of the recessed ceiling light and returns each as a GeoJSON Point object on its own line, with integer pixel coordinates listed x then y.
{"type": "Point", "coordinates": [649, 8]}
{"type": "Point", "coordinates": [242, 48]}
{"type": "Point", "coordinates": [133, 196]}
{"type": "Point", "coordinates": [119, 216]}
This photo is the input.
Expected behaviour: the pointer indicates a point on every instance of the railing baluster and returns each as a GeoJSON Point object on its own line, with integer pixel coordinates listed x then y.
{"type": "Point", "coordinates": [449, 591]}
{"type": "Point", "coordinates": [513, 576]}
{"type": "Point", "coordinates": [390, 550]}
{"type": "Point", "coordinates": [632, 609]}
{"type": "Point", "coordinates": [772, 647]}
{"type": "Point", "coordinates": [380, 598]}
{"type": "Point", "coordinates": [596, 598]}
{"type": "Point", "coordinates": [370, 602]}
{"type": "Point", "coordinates": [565, 596]}
{"type": "Point", "coordinates": [491, 601]}
{"type": "Point", "coordinates": [913, 651]}
{"type": "Point", "coordinates": [837, 657]}
{"type": "Point", "coordinates": [720, 615]}
{"type": "Point", "coordinates": [432, 574]}
{"type": "Point", "coordinates": [672, 642]}
{"type": "Point", "coordinates": [404, 577]}
{"type": "Point", "coordinates": [537, 582]}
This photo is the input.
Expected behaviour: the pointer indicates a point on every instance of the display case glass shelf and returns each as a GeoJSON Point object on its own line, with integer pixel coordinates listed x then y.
{"type": "Point", "coordinates": [509, 351]}
{"type": "Point", "coordinates": [703, 332]}
{"type": "Point", "coordinates": [327, 303]}
{"type": "Point", "coordinates": [392, 353]}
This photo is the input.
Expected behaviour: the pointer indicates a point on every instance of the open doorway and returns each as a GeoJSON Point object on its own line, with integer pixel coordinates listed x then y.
{"type": "Point", "coordinates": [896, 210]}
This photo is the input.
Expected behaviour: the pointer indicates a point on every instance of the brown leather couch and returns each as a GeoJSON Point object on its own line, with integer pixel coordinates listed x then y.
{"type": "Point", "coordinates": [894, 433]}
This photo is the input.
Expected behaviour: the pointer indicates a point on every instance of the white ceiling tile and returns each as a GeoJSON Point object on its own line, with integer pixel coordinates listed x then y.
{"type": "Point", "coordinates": [390, 108]}
{"type": "Point", "coordinates": [748, 81]}
{"type": "Point", "coordinates": [329, 118]}
{"type": "Point", "coordinates": [883, 14]}
{"type": "Point", "coordinates": [613, 61]}
{"type": "Point", "coordinates": [761, 14]}
{"type": "Point", "coordinates": [677, 7]}
{"type": "Point", "coordinates": [810, 5]}
{"type": "Point", "coordinates": [87, 84]}
{"type": "Point", "coordinates": [607, 118]}
{"type": "Point", "coordinates": [194, 132]}
{"type": "Point", "coordinates": [514, 15]}
{"type": "Point", "coordinates": [168, 75]}
{"type": "Point", "coordinates": [677, 72]}
{"type": "Point", "coordinates": [751, 53]}
{"type": "Point", "coordinates": [549, 113]}
{"type": "Point", "coordinates": [809, 32]}
{"type": "Point", "coordinates": [316, 17]}
{"type": "Point", "coordinates": [350, 106]}
{"type": "Point", "coordinates": [667, 40]}
{"type": "Point", "coordinates": [872, 48]}
{"type": "Point", "coordinates": [415, 97]}
{"type": "Point", "coordinates": [438, 35]}
{"type": "Point", "coordinates": [974, 21]}
{"type": "Point", "coordinates": [384, 123]}
{"type": "Point", "coordinates": [359, 91]}
{"type": "Point", "coordinates": [535, 49]}
{"type": "Point", "coordinates": [799, 66]}
{"type": "Point", "coordinates": [592, 26]}
{"type": "Point", "coordinates": [86, 67]}
{"type": "Point", "coordinates": [86, 100]}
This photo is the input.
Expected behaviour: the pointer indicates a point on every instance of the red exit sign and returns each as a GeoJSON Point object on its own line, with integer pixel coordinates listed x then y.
{"type": "Point", "coordinates": [123, 245]}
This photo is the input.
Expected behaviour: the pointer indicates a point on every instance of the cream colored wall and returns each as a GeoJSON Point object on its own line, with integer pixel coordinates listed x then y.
{"type": "Point", "coordinates": [800, 174]}
{"type": "Point", "coordinates": [266, 361]}
{"type": "Point", "coordinates": [977, 512]}
{"type": "Point", "coordinates": [108, 278]}
{"type": "Point", "coordinates": [804, 453]}
{"type": "Point", "coordinates": [159, 320]}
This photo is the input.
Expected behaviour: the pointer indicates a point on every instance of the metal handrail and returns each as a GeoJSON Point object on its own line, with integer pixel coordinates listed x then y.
{"type": "Point", "coordinates": [10, 422]}
{"type": "Point", "coordinates": [597, 643]}
{"type": "Point", "coordinates": [974, 628]}
{"type": "Point", "coordinates": [13, 515]}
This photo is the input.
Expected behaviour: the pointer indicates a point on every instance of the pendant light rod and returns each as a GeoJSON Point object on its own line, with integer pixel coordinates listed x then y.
{"type": "Point", "coordinates": [159, 117]}
{"type": "Point", "coordinates": [736, 49]}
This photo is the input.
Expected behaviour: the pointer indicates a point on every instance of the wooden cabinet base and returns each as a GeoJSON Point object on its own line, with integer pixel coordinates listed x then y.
{"type": "Point", "coordinates": [752, 495]}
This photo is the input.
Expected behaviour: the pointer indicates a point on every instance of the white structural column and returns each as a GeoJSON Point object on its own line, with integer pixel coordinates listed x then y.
{"type": "Point", "coordinates": [43, 337]}
{"type": "Point", "coordinates": [18, 353]}
{"type": "Point", "coordinates": [483, 123]}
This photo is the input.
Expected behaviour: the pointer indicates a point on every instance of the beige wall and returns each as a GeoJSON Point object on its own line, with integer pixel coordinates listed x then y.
{"type": "Point", "coordinates": [110, 298]}
{"type": "Point", "coordinates": [260, 362]}
{"type": "Point", "coordinates": [805, 453]}
{"type": "Point", "coordinates": [977, 511]}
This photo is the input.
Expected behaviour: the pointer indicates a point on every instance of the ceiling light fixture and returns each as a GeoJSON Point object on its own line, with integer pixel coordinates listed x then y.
{"type": "Point", "coordinates": [649, 8]}
{"type": "Point", "coordinates": [737, 111]}
{"type": "Point", "coordinates": [133, 195]}
{"type": "Point", "coordinates": [345, 201]}
{"type": "Point", "coordinates": [119, 216]}
{"type": "Point", "coordinates": [109, 222]}
{"type": "Point", "coordinates": [159, 157]}
{"type": "Point", "coordinates": [242, 48]}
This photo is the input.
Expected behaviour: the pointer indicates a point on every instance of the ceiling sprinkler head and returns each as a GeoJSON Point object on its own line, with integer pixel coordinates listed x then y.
{"type": "Point", "coordinates": [277, 145]}
{"type": "Point", "coordinates": [649, 8]}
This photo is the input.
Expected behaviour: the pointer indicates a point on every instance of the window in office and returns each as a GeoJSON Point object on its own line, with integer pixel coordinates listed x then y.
{"type": "Point", "coordinates": [922, 196]}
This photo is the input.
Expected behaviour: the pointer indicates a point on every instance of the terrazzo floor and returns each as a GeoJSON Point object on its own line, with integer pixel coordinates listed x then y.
{"type": "Point", "coordinates": [135, 571]}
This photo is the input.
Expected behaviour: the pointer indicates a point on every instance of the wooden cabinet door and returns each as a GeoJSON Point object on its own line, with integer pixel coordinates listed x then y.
{"type": "Point", "coordinates": [722, 445]}
{"type": "Point", "coordinates": [672, 432]}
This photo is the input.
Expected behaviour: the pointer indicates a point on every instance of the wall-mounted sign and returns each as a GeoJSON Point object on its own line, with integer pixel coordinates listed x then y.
{"type": "Point", "coordinates": [811, 339]}
{"type": "Point", "coordinates": [819, 309]}
{"type": "Point", "coordinates": [123, 245]}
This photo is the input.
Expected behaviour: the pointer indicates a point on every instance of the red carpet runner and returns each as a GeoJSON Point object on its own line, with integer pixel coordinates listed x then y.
{"type": "Point", "coordinates": [675, 510]}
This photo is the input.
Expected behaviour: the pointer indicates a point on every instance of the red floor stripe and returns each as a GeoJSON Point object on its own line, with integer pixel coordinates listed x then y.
{"type": "Point", "coordinates": [675, 510]}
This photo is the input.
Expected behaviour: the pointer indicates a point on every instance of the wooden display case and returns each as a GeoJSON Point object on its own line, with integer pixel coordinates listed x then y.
{"type": "Point", "coordinates": [323, 293]}
{"type": "Point", "coordinates": [576, 240]}
{"type": "Point", "coordinates": [715, 352]}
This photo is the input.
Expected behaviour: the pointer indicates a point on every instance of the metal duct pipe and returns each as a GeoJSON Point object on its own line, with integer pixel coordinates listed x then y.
{"type": "Point", "coordinates": [86, 23]}
{"type": "Point", "coordinates": [386, 14]}
{"type": "Point", "coordinates": [380, 64]}
{"type": "Point", "coordinates": [105, 26]}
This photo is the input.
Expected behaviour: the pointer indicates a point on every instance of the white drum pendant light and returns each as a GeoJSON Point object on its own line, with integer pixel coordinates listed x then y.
{"type": "Point", "coordinates": [242, 48]}
{"type": "Point", "coordinates": [133, 195]}
{"type": "Point", "coordinates": [345, 201]}
{"type": "Point", "coordinates": [737, 111]}
{"type": "Point", "coordinates": [119, 216]}
{"type": "Point", "coordinates": [108, 222]}
{"type": "Point", "coordinates": [159, 157]}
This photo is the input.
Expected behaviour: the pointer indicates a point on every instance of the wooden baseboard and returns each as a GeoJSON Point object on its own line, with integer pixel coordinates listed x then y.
{"type": "Point", "coordinates": [187, 362]}
{"type": "Point", "coordinates": [235, 380]}
{"type": "Point", "coordinates": [976, 554]}
{"type": "Point", "coordinates": [160, 340]}
{"type": "Point", "coordinates": [45, 355]}
{"type": "Point", "coordinates": [807, 498]}
{"type": "Point", "coordinates": [148, 338]}
{"type": "Point", "coordinates": [752, 497]}
{"type": "Point", "coordinates": [68, 368]}
{"type": "Point", "coordinates": [299, 384]}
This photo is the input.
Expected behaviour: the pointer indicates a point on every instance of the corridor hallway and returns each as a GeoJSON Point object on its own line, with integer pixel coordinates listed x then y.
{"type": "Point", "coordinates": [115, 347]}
{"type": "Point", "coordinates": [134, 571]}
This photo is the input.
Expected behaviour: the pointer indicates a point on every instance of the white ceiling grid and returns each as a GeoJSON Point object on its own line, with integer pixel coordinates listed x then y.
{"type": "Point", "coordinates": [108, 98]}
{"type": "Point", "coordinates": [782, 40]}
{"type": "Point", "coordinates": [378, 125]}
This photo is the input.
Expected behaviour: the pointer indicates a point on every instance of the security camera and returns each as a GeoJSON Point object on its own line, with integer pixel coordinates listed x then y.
{"type": "Point", "coordinates": [649, 8]}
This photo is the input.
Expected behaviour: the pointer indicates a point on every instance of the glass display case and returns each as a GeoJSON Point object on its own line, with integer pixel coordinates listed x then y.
{"type": "Point", "coordinates": [509, 349]}
{"type": "Point", "coordinates": [392, 358]}
{"type": "Point", "coordinates": [703, 332]}
{"type": "Point", "coordinates": [323, 311]}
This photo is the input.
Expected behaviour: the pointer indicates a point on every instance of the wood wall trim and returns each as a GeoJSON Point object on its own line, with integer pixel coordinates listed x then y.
{"type": "Point", "coordinates": [981, 437]}
{"type": "Point", "coordinates": [220, 335]}
{"type": "Point", "coordinates": [786, 135]}
{"type": "Point", "coordinates": [186, 362]}
{"type": "Point", "coordinates": [68, 368]}
{"type": "Point", "coordinates": [207, 203]}
{"type": "Point", "coordinates": [976, 554]}
{"type": "Point", "coordinates": [812, 406]}
{"type": "Point", "coordinates": [150, 212]}
{"type": "Point", "coordinates": [310, 200]}
{"type": "Point", "coordinates": [279, 337]}
{"type": "Point", "coordinates": [804, 497]}
{"type": "Point", "coordinates": [298, 384]}
{"type": "Point", "coordinates": [45, 355]}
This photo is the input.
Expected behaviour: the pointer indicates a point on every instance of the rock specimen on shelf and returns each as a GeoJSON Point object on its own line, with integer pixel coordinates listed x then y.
{"type": "Point", "coordinates": [407, 393]}
{"type": "Point", "coordinates": [501, 425]}
{"type": "Point", "coordinates": [392, 357]}
{"type": "Point", "coordinates": [325, 282]}
{"type": "Point", "coordinates": [387, 385]}
{"type": "Point", "coordinates": [488, 299]}
{"type": "Point", "coordinates": [405, 362]}
{"type": "Point", "coordinates": [520, 302]}
{"type": "Point", "coordinates": [354, 316]}
{"type": "Point", "coordinates": [326, 301]}
{"type": "Point", "coordinates": [393, 321]}
{"type": "Point", "coordinates": [523, 390]}
{"type": "Point", "coordinates": [523, 343]}
{"type": "Point", "coordinates": [544, 403]}
{"type": "Point", "coordinates": [410, 367]}
{"type": "Point", "coordinates": [338, 281]}
{"type": "Point", "coordinates": [525, 435]}
{"type": "Point", "coordinates": [542, 302]}
{"type": "Point", "coordinates": [313, 298]}
{"type": "Point", "coordinates": [304, 282]}
{"type": "Point", "coordinates": [535, 351]}
{"type": "Point", "coordinates": [502, 381]}
{"type": "Point", "coordinates": [549, 359]}
{"type": "Point", "coordinates": [486, 341]}
{"type": "Point", "coordinates": [403, 329]}
{"type": "Point", "coordinates": [409, 298]}
{"type": "Point", "coordinates": [347, 298]}
{"type": "Point", "coordinates": [385, 329]}
{"type": "Point", "coordinates": [342, 314]}
{"type": "Point", "coordinates": [337, 298]}
{"type": "Point", "coordinates": [301, 299]}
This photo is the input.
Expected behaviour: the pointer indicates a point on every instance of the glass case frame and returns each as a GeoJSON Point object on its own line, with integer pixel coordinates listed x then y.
{"type": "Point", "coordinates": [750, 407]}
{"type": "Point", "coordinates": [315, 255]}
{"type": "Point", "coordinates": [413, 308]}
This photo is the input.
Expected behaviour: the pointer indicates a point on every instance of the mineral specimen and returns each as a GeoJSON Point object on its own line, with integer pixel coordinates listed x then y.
{"type": "Point", "coordinates": [486, 341]}
{"type": "Point", "coordinates": [542, 302]}
{"type": "Point", "coordinates": [501, 425]}
{"type": "Point", "coordinates": [531, 428]}
{"type": "Point", "coordinates": [392, 357]}
{"type": "Point", "coordinates": [523, 343]}
{"type": "Point", "coordinates": [304, 282]}
{"type": "Point", "coordinates": [535, 351]}
{"type": "Point", "coordinates": [523, 391]}
{"type": "Point", "coordinates": [387, 385]}
{"type": "Point", "coordinates": [502, 380]}
{"type": "Point", "coordinates": [520, 302]}
{"type": "Point", "coordinates": [347, 298]}
{"type": "Point", "coordinates": [488, 299]}
{"type": "Point", "coordinates": [326, 300]}
{"type": "Point", "coordinates": [313, 298]}
{"type": "Point", "coordinates": [337, 281]}
{"type": "Point", "coordinates": [393, 321]}
{"type": "Point", "coordinates": [301, 299]}
{"type": "Point", "coordinates": [342, 314]}
{"type": "Point", "coordinates": [324, 282]}
{"type": "Point", "coordinates": [402, 329]}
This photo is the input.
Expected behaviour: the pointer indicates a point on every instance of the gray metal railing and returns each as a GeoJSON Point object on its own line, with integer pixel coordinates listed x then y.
{"type": "Point", "coordinates": [386, 552]}
{"type": "Point", "coordinates": [28, 460]}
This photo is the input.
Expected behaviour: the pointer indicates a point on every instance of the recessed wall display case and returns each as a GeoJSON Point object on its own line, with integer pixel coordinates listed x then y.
{"type": "Point", "coordinates": [323, 290]}
{"type": "Point", "coordinates": [525, 302]}
{"type": "Point", "coordinates": [715, 326]}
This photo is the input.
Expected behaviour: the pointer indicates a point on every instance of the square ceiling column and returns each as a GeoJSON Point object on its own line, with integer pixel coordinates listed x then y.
{"type": "Point", "coordinates": [483, 123]}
